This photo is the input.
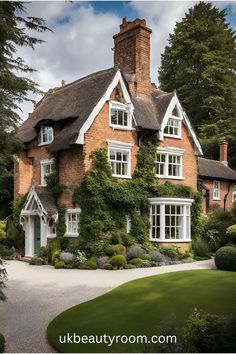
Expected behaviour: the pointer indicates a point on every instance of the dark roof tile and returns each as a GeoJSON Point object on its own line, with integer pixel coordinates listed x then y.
{"type": "Point", "coordinates": [215, 169]}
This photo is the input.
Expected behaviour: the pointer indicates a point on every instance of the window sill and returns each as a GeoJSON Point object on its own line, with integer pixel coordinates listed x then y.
{"type": "Point", "coordinates": [51, 236]}
{"type": "Point", "coordinates": [216, 199]}
{"type": "Point", "coordinates": [119, 127]}
{"type": "Point", "coordinates": [170, 177]}
{"type": "Point", "coordinates": [43, 144]}
{"type": "Point", "coordinates": [172, 136]}
{"type": "Point", "coordinates": [71, 235]}
{"type": "Point", "coordinates": [170, 240]}
{"type": "Point", "coordinates": [120, 176]}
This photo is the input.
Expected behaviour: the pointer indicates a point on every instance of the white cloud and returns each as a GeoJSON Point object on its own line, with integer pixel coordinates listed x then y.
{"type": "Point", "coordinates": [77, 47]}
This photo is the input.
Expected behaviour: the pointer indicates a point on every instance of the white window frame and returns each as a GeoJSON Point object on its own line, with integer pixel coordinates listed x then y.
{"type": "Point", "coordinates": [125, 107]}
{"type": "Point", "coordinates": [42, 164]}
{"type": "Point", "coordinates": [51, 234]}
{"type": "Point", "coordinates": [186, 207]}
{"type": "Point", "coordinates": [179, 120]}
{"type": "Point", "coordinates": [119, 146]}
{"type": "Point", "coordinates": [216, 190]}
{"type": "Point", "coordinates": [168, 151]}
{"type": "Point", "coordinates": [72, 211]}
{"type": "Point", "coordinates": [42, 134]}
{"type": "Point", "coordinates": [234, 194]}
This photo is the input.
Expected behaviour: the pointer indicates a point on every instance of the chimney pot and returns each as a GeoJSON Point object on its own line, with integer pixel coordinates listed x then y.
{"type": "Point", "coordinates": [224, 151]}
{"type": "Point", "coordinates": [63, 82]}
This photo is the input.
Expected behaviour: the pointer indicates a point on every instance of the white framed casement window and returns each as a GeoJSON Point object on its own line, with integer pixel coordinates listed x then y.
{"type": "Point", "coordinates": [46, 135]}
{"type": "Point", "coordinates": [216, 190]}
{"type": "Point", "coordinates": [234, 194]}
{"type": "Point", "coordinates": [46, 169]}
{"type": "Point", "coordinates": [170, 219]}
{"type": "Point", "coordinates": [72, 222]}
{"type": "Point", "coordinates": [169, 163]}
{"type": "Point", "coordinates": [51, 231]}
{"type": "Point", "coordinates": [173, 127]}
{"type": "Point", "coordinates": [120, 115]}
{"type": "Point", "coordinates": [119, 156]}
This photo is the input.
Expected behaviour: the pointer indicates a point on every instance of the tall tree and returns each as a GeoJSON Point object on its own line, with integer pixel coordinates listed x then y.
{"type": "Point", "coordinates": [15, 87]}
{"type": "Point", "coordinates": [200, 63]}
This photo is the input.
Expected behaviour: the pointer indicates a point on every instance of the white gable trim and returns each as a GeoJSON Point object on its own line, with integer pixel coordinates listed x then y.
{"type": "Point", "coordinates": [175, 103]}
{"type": "Point", "coordinates": [117, 79]}
{"type": "Point", "coordinates": [33, 196]}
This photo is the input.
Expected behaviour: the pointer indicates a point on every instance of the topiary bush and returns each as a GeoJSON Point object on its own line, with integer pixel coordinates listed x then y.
{"type": "Point", "coordinates": [137, 261]}
{"type": "Point", "coordinates": [112, 250]}
{"type": "Point", "coordinates": [118, 261]}
{"type": "Point", "coordinates": [107, 266]}
{"type": "Point", "coordinates": [2, 343]}
{"type": "Point", "coordinates": [59, 265]}
{"type": "Point", "coordinates": [231, 233]}
{"type": "Point", "coordinates": [225, 258]}
{"type": "Point", "coordinates": [135, 251]}
{"type": "Point", "coordinates": [156, 256]}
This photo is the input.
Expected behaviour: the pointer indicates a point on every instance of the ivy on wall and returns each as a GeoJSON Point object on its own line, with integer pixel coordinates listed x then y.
{"type": "Point", "coordinates": [105, 202]}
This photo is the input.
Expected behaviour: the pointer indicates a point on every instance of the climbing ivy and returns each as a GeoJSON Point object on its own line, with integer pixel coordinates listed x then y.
{"type": "Point", "coordinates": [61, 224]}
{"type": "Point", "coordinates": [106, 202]}
{"type": "Point", "coordinates": [53, 183]}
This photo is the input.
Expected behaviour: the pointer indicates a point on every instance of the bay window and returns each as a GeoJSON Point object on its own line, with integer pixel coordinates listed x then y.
{"type": "Point", "coordinates": [170, 219]}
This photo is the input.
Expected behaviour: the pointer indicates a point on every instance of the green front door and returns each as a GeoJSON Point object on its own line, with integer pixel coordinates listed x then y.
{"type": "Point", "coordinates": [36, 235]}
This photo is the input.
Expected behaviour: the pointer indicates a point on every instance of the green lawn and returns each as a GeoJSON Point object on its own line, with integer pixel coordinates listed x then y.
{"type": "Point", "coordinates": [139, 306]}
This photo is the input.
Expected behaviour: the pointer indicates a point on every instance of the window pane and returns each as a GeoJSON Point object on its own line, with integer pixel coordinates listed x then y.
{"type": "Point", "coordinates": [113, 116]}
{"type": "Point", "coordinates": [120, 118]}
{"type": "Point", "coordinates": [125, 119]}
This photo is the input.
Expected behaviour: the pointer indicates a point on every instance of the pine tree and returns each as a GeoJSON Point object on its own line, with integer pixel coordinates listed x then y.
{"type": "Point", "coordinates": [14, 85]}
{"type": "Point", "coordinates": [200, 63]}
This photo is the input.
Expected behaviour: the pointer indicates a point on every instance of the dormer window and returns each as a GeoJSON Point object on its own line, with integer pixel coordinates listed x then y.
{"type": "Point", "coordinates": [120, 116]}
{"type": "Point", "coordinates": [173, 127]}
{"type": "Point", "coordinates": [46, 135]}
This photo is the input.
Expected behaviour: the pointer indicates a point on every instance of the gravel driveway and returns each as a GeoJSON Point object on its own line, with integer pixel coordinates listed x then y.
{"type": "Point", "coordinates": [37, 294]}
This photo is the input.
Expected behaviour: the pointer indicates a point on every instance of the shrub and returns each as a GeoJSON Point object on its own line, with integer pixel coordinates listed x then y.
{"type": "Point", "coordinates": [3, 225]}
{"type": "Point", "coordinates": [200, 247]}
{"type": "Point", "coordinates": [2, 343]}
{"type": "Point", "coordinates": [171, 252]}
{"type": "Point", "coordinates": [102, 261]}
{"type": "Point", "coordinates": [3, 278]}
{"type": "Point", "coordinates": [112, 250]}
{"type": "Point", "coordinates": [146, 256]}
{"type": "Point", "coordinates": [136, 261]}
{"type": "Point", "coordinates": [121, 248]}
{"type": "Point", "coordinates": [135, 251]}
{"type": "Point", "coordinates": [225, 258]}
{"type": "Point", "coordinates": [51, 248]}
{"type": "Point", "coordinates": [56, 256]}
{"type": "Point", "coordinates": [107, 266]}
{"type": "Point", "coordinates": [118, 261]}
{"type": "Point", "coordinates": [231, 233]}
{"type": "Point", "coordinates": [36, 261]}
{"type": "Point", "coordinates": [90, 264]}
{"type": "Point", "coordinates": [43, 252]}
{"type": "Point", "coordinates": [66, 257]}
{"type": "Point", "coordinates": [119, 236]}
{"type": "Point", "coordinates": [6, 253]}
{"type": "Point", "coordinates": [129, 266]}
{"type": "Point", "coordinates": [156, 256]}
{"type": "Point", "coordinates": [59, 265]}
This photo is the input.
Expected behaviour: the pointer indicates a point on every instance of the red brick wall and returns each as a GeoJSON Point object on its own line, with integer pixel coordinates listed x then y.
{"type": "Point", "coordinates": [223, 191]}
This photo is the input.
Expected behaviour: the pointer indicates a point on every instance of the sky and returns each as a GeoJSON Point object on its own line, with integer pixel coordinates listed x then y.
{"type": "Point", "coordinates": [81, 42]}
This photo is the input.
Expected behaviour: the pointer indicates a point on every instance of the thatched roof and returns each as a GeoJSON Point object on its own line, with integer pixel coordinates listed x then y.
{"type": "Point", "coordinates": [214, 169]}
{"type": "Point", "coordinates": [73, 103]}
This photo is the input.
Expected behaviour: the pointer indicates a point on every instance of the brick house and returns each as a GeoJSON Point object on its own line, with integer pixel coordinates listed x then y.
{"type": "Point", "coordinates": [218, 180]}
{"type": "Point", "coordinates": [117, 109]}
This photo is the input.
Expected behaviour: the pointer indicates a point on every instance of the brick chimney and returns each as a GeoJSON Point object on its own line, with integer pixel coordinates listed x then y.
{"type": "Point", "coordinates": [132, 55]}
{"type": "Point", "coordinates": [224, 151]}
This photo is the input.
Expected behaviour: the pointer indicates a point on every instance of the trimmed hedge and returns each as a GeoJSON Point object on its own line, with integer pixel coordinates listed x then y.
{"type": "Point", "coordinates": [225, 258]}
{"type": "Point", "coordinates": [118, 261]}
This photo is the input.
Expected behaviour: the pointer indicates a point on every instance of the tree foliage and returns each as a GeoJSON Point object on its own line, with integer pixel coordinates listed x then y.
{"type": "Point", "coordinates": [200, 63]}
{"type": "Point", "coordinates": [15, 32]}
